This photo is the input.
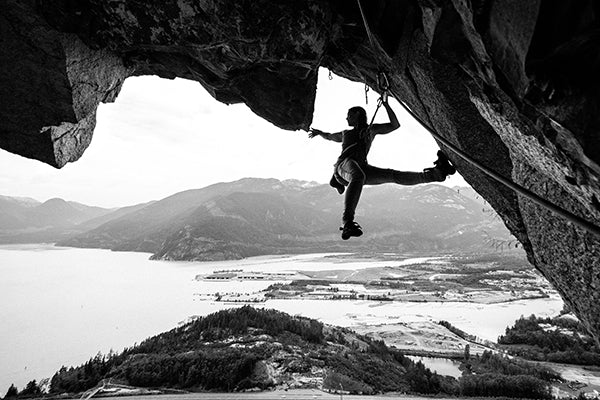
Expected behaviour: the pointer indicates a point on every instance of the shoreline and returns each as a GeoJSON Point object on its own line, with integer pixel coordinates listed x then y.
{"type": "Point", "coordinates": [382, 302]}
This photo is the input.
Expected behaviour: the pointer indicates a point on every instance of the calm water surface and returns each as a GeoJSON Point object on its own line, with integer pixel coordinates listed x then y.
{"type": "Point", "coordinates": [60, 306]}
{"type": "Point", "coordinates": [442, 366]}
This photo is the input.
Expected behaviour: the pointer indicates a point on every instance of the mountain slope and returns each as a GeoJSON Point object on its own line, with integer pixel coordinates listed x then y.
{"type": "Point", "coordinates": [266, 216]}
{"type": "Point", "coordinates": [14, 212]}
{"type": "Point", "coordinates": [58, 212]}
{"type": "Point", "coordinates": [29, 213]}
{"type": "Point", "coordinates": [104, 218]}
{"type": "Point", "coordinates": [242, 225]}
{"type": "Point", "coordinates": [24, 220]}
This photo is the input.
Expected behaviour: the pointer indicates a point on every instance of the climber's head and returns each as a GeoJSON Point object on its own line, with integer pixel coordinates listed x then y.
{"type": "Point", "coordinates": [357, 117]}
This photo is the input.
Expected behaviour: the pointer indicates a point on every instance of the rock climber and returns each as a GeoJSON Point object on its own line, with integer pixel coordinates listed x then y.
{"type": "Point", "coordinates": [353, 170]}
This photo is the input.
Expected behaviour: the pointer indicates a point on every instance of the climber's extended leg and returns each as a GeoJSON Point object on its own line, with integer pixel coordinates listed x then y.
{"type": "Point", "coordinates": [442, 168]}
{"type": "Point", "coordinates": [377, 176]}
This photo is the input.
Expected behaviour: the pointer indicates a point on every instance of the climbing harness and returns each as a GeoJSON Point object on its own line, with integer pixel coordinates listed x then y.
{"type": "Point", "coordinates": [569, 216]}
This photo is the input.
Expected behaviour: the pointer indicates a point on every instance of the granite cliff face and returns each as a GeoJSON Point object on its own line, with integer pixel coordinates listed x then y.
{"type": "Point", "coordinates": [512, 83]}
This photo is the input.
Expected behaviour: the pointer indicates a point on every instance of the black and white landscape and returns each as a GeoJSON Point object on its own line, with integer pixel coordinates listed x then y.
{"type": "Point", "coordinates": [436, 273]}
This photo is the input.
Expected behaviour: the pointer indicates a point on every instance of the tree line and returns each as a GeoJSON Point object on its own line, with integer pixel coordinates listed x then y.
{"type": "Point", "coordinates": [31, 390]}
{"type": "Point", "coordinates": [562, 340]}
{"type": "Point", "coordinates": [490, 374]}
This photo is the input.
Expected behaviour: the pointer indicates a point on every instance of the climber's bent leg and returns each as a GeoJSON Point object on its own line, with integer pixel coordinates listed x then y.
{"type": "Point", "coordinates": [352, 173]}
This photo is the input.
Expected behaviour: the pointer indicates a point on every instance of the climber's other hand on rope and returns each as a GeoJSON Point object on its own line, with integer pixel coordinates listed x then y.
{"type": "Point", "coordinates": [384, 97]}
{"type": "Point", "coordinates": [382, 129]}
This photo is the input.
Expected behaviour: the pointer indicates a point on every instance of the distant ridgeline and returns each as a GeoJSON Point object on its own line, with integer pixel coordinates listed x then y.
{"type": "Point", "coordinates": [248, 348]}
{"type": "Point", "coordinates": [251, 217]}
{"type": "Point", "coordinates": [559, 339]}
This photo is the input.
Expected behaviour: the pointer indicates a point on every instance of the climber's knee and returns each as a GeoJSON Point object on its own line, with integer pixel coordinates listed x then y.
{"type": "Point", "coordinates": [350, 171]}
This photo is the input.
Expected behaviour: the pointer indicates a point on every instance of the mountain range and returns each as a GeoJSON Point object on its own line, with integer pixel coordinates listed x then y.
{"type": "Point", "coordinates": [26, 220]}
{"type": "Point", "coordinates": [255, 216]}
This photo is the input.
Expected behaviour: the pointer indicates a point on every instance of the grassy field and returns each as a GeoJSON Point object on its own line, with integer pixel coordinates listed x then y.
{"type": "Point", "coordinates": [488, 279]}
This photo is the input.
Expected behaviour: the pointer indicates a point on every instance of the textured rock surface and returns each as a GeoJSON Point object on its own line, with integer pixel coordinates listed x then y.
{"type": "Point", "coordinates": [513, 83]}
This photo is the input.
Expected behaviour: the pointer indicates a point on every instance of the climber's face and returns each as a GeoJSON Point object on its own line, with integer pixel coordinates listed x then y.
{"type": "Point", "coordinates": [352, 118]}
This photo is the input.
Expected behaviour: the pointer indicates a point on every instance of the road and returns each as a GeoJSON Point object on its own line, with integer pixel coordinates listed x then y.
{"type": "Point", "coordinates": [300, 394]}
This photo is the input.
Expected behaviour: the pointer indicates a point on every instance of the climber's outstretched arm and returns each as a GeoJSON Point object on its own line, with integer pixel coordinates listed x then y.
{"type": "Point", "coordinates": [336, 137]}
{"type": "Point", "coordinates": [382, 129]}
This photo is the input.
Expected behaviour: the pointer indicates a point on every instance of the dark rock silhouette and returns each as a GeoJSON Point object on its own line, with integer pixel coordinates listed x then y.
{"type": "Point", "coordinates": [514, 84]}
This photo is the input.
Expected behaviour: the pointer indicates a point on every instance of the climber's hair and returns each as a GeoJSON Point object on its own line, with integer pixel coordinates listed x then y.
{"type": "Point", "coordinates": [362, 115]}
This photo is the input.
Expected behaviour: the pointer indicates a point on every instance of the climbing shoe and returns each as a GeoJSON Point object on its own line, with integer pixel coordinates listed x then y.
{"type": "Point", "coordinates": [351, 229]}
{"type": "Point", "coordinates": [442, 168]}
{"type": "Point", "coordinates": [334, 183]}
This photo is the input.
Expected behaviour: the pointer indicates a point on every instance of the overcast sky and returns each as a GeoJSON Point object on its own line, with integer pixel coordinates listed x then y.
{"type": "Point", "coordinates": [164, 136]}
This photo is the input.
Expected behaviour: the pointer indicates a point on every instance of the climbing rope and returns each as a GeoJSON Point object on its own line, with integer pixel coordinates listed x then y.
{"type": "Point", "coordinates": [369, 34]}
{"type": "Point", "coordinates": [379, 103]}
{"type": "Point", "coordinates": [575, 219]}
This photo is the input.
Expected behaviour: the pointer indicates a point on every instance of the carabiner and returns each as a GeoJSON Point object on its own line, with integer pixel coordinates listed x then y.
{"type": "Point", "coordinates": [382, 82]}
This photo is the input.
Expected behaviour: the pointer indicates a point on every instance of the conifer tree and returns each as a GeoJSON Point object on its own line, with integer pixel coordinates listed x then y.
{"type": "Point", "coordinates": [12, 392]}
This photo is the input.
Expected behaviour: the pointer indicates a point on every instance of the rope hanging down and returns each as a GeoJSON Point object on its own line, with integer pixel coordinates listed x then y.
{"type": "Point", "coordinates": [575, 219]}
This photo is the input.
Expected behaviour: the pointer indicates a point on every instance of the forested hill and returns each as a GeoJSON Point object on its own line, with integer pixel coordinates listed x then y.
{"type": "Point", "coordinates": [246, 348]}
{"type": "Point", "coordinates": [561, 339]}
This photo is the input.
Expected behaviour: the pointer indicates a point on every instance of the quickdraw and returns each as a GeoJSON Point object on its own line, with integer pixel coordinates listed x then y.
{"type": "Point", "coordinates": [383, 85]}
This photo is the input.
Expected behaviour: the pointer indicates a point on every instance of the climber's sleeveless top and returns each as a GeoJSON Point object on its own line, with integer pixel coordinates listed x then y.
{"type": "Point", "coordinates": [356, 144]}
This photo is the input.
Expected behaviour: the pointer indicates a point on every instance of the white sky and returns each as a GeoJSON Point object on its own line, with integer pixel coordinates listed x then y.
{"type": "Point", "coordinates": [165, 136]}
